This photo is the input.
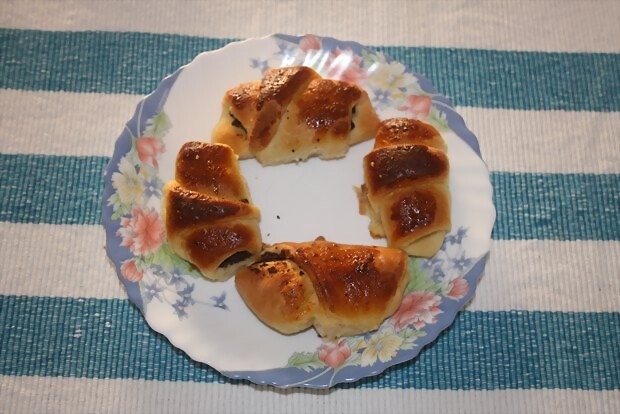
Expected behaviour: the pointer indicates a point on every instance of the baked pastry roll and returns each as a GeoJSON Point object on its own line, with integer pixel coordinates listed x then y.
{"type": "Point", "coordinates": [292, 114]}
{"type": "Point", "coordinates": [399, 131]}
{"type": "Point", "coordinates": [406, 185]}
{"type": "Point", "coordinates": [207, 211]}
{"type": "Point", "coordinates": [341, 289]}
{"type": "Point", "coordinates": [238, 114]}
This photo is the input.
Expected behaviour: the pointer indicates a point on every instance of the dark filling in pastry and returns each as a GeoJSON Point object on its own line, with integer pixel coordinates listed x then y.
{"type": "Point", "coordinates": [235, 258]}
{"type": "Point", "coordinates": [236, 123]}
{"type": "Point", "coordinates": [268, 257]}
{"type": "Point", "coordinates": [272, 257]}
{"type": "Point", "coordinates": [352, 114]}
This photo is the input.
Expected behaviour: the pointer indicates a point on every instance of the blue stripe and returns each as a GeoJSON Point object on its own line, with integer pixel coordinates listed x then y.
{"type": "Point", "coordinates": [134, 63]}
{"type": "Point", "coordinates": [519, 80]}
{"type": "Point", "coordinates": [107, 338]}
{"type": "Point", "coordinates": [102, 62]}
{"type": "Point", "coordinates": [68, 190]}
{"type": "Point", "coordinates": [51, 189]}
{"type": "Point", "coordinates": [556, 206]}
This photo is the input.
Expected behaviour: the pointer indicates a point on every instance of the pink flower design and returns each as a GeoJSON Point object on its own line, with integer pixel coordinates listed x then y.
{"type": "Point", "coordinates": [334, 354]}
{"type": "Point", "coordinates": [149, 150]}
{"type": "Point", "coordinates": [417, 309]}
{"type": "Point", "coordinates": [345, 66]}
{"type": "Point", "coordinates": [130, 272]}
{"type": "Point", "coordinates": [458, 288]}
{"type": "Point", "coordinates": [418, 105]}
{"type": "Point", "coordinates": [142, 233]}
{"type": "Point", "coordinates": [309, 42]}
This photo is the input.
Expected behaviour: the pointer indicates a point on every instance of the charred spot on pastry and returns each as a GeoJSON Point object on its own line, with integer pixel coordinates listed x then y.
{"type": "Point", "coordinates": [414, 211]}
{"type": "Point", "coordinates": [235, 258]}
{"type": "Point", "coordinates": [389, 166]}
{"type": "Point", "coordinates": [363, 266]}
{"type": "Point", "coordinates": [237, 124]}
{"type": "Point", "coordinates": [245, 200]}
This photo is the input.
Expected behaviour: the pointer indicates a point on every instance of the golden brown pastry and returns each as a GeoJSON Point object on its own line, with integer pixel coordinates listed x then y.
{"type": "Point", "coordinates": [238, 114]}
{"type": "Point", "coordinates": [341, 289]}
{"type": "Point", "coordinates": [399, 131]}
{"type": "Point", "coordinates": [292, 114]}
{"type": "Point", "coordinates": [406, 184]}
{"type": "Point", "coordinates": [208, 214]}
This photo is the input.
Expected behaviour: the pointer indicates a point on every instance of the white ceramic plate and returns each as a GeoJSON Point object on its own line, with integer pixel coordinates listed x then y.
{"type": "Point", "coordinates": [298, 202]}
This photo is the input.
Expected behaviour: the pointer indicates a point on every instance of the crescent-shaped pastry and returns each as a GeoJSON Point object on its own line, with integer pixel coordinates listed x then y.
{"type": "Point", "coordinates": [341, 289]}
{"type": "Point", "coordinates": [208, 214]}
{"type": "Point", "coordinates": [406, 184]}
{"type": "Point", "coordinates": [292, 114]}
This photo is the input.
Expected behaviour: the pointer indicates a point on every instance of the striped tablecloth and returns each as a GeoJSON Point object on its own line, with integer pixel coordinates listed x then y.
{"type": "Point", "coordinates": [537, 81]}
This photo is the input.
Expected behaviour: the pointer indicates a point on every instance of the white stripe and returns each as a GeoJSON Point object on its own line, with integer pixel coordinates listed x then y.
{"type": "Point", "coordinates": [71, 395]}
{"type": "Point", "coordinates": [525, 141]}
{"type": "Point", "coordinates": [53, 260]}
{"type": "Point", "coordinates": [62, 123]}
{"type": "Point", "coordinates": [552, 25]}
{"type": "Point", "coordinates": [550, 275]}
{"type": "Point", "coordinates": [546, 141]}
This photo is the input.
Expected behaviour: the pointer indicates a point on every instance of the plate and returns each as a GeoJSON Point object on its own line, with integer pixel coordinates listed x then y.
{"type": "Point", "coordinates": [208, 320]}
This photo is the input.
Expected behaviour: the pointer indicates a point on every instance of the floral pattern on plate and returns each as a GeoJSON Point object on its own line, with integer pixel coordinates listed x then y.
{"type": "Point", "coordinates": [152, 274]}
{"type": "Point", "coordinates": [159, 273]}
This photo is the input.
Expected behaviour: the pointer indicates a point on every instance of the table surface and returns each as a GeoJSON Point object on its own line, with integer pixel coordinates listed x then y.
{"type": "Point", "coordinates": [538, 82]}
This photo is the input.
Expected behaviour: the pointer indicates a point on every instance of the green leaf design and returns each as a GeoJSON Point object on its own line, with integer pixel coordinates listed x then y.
{"type": "Point", "coordinates": [132, 155]}
{"type": "Point", "coordinates": [147, 171]}
{"type": "Point", "coordinates": [162, 257]}
{"type": "Point", "coordinates": [368, 58]}
{"type": "Point", "coordinates": [354, 359]}
{"type": "Point", "coordinates": [410, 336]}
{"type": "Point", "coordinates": [175, 261]}
{"type": "Point", "coordinates": [306, 361]}
{"type": "Point", "coordinates": [356, 343]}
{"type": "Point", "coordinates": [444, 289]}
{"type": "Point", "coordinates": [436, 119]}
{"type": "Point", "coordinates": [142, 263]}
{"type": "Point", "coordinates": [169, 261]}
{"type": "Point", "coordinates": [419, 280]}
{"type": "Point", "coordinates": [119, 208]}
{"type": "Point", "coordinates": [157, 126]}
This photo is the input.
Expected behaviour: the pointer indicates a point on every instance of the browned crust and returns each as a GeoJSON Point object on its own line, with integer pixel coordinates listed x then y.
{"type": "Point", "coordinates": [210, 169]}
{"type": "Point", "coordinates": [243, 96]}
{"type": "Point", "coordinates": [341, 289]}
{"type": "Point", "coordinates": [277, 89]}
{"type": "Point", "coordinates": [207, 247]}
{"type": "Point", "coordinates": [281, 84]}
{"type": "Point", "coordinates": [412, 214]}
{"type": "Point", "coordinates": [346, 279]}
{"type": "Point", "coordinates": [389, 167]}
{"type": "Point", "coordinates": [279, 293]}
{"type": "Point", "coordinates": [326, 105]}
{"type": "Point", "coordinates": [187, 208]}
{"type": "Point", "coordinates": [399, 131]}
{"type": "Point", "coordinates": [413, 211]}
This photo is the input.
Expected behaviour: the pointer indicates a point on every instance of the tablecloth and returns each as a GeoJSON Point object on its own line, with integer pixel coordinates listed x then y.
{"type": "Point", "coordinates": [538, 82]}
